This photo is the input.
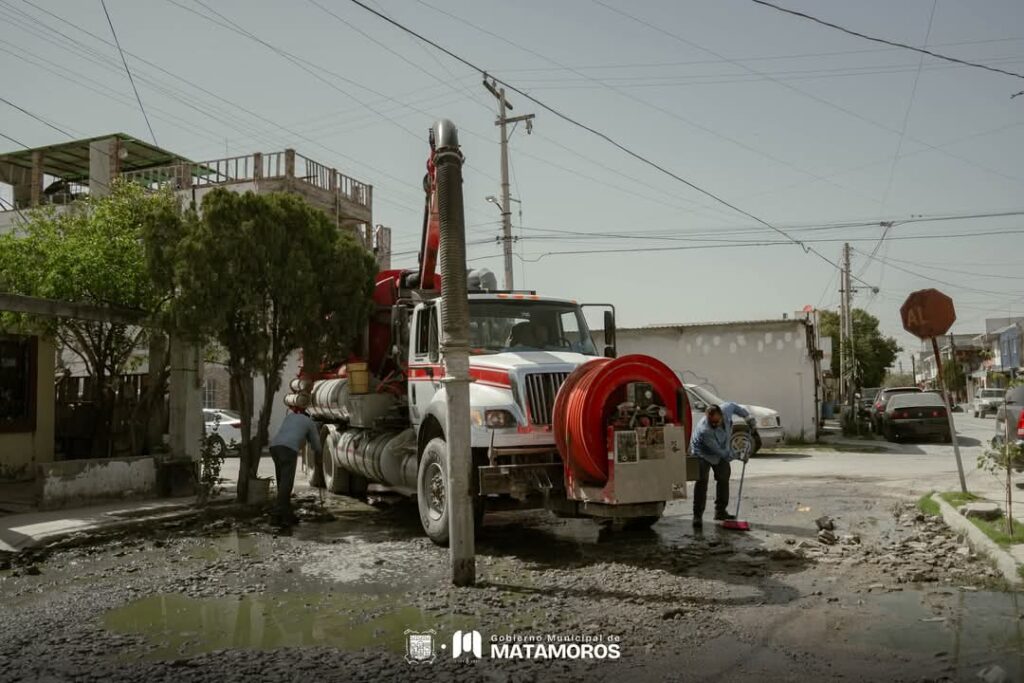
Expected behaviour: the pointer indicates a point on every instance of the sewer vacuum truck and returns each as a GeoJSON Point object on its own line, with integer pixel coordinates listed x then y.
{"type": "Point", "coordinates": [556, 422]}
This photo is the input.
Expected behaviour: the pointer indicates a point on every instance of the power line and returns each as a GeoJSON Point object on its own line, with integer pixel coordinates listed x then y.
{"type": "Point", "coordinates": [604, 136]}
{"type": "Point", "coordinates": [932, 279]}
{"type": "Point", "coordinates": [128, 71]}
{"type": "Point", "coordinates": [17, 142]}
{"type": "Point", "coordinates": [883, 41]}
{"type": "Point", "coordinates": [37, 117]}
{"type": "Point", "coordinates": [803, 93]}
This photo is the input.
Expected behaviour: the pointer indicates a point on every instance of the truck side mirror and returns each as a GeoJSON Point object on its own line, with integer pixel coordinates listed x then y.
{"type": "Point", "coordinates": [610, 350]}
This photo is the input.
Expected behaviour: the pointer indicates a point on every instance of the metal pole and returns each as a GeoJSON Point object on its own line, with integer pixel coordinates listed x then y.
{"type": "Point", "coordinates": [913, 367]}
{"type": "Point", "coordinates": [949, 416]}
{"type": "Point", "coordinates": [1009, 473]}
{"type": "Point", "coordinates": [455, 351]}
{"type": "Point", "coordinates": [506, 207]}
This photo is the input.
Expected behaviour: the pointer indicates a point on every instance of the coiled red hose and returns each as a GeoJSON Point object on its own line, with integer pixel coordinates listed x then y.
{"type": "Point", "coordinates": [587, 401]}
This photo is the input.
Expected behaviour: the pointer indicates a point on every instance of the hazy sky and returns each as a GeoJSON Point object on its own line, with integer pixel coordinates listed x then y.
{"type": "Point", "coordinates": [793, 122]}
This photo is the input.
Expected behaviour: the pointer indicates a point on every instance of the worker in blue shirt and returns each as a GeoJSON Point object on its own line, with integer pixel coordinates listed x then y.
{"type": "Point", "coordinates": [711, 444]}
{"type": "Point", "coordinates": [296, 430]}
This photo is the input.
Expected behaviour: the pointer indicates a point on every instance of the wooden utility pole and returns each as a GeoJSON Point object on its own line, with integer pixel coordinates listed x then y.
{"type": "Point", "coordinates": [506, 205]}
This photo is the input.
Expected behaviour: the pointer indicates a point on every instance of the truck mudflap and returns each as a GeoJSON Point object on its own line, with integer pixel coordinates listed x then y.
{"type": "Point", "coordinates": [563, 507]}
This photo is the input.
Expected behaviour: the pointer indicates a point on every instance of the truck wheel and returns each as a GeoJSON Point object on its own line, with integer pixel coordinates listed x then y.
{"type": "Point", "coordinates": [432, 491]}
{"type": "Point", "coordinates": [742, 444]}
{"type": "Point", "coordinates": [336, 479]}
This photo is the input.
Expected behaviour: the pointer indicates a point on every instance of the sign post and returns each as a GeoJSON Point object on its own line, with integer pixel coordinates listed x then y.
{"type": "Point", "coordinates": [927, 314]}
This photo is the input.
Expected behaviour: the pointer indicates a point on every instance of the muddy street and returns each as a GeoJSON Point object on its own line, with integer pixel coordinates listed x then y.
{"type": "Point", "coordinates": [890, 595]}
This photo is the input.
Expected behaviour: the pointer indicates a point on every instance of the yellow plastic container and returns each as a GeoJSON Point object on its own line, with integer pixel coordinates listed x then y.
{"type": "Point", "coordinates": [358, 378]}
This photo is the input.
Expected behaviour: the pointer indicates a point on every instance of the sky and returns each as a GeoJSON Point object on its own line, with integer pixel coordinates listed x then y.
{"type": "Point", "coordinates": [817, 133]}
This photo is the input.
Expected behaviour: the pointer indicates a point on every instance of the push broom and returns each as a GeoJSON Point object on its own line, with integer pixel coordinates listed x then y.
{"type": "Point", "coordinates": [738, 524]}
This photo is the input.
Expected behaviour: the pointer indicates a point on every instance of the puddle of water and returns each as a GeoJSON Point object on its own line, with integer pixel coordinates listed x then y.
{"type": "Point", "coordinates": [232, 544]}
{"type": "Point", "coordinates": [972, 628]}
{"type": "Point", "coordinates": [180, 626]}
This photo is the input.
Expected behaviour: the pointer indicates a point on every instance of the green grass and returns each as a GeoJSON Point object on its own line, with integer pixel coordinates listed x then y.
{"type": "Point", "coordinates": [956, 498]}
{"type": "Point", "coordinates": [996, 530]}
{"type": "Point", "coordinates": [928, 506]}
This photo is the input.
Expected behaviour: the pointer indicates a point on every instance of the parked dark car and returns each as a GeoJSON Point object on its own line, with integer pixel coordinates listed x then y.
{"type": "Point", "coordinates": [882, 399]}
{"type": "Point", "coordinates": [921, 414]}
{"type": "Point", "coordinates": [867, 399]}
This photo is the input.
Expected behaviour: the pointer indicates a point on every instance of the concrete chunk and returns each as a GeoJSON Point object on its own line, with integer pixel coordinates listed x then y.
{"type": "Point", "coordinates": [982, 510]}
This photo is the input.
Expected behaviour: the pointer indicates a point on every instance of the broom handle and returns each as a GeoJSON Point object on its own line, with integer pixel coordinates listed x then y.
{"type": "Point", "coordinates": [739, 494]}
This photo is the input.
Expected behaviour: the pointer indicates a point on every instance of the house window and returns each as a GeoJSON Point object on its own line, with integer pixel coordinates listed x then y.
{"type": "Point", "coordinates": [210, 393]}
{"type": "Point", "coordinates": [17, 383]}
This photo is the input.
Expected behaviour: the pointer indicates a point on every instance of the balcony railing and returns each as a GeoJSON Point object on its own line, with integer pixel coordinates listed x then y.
{"type": "Point", "coordinates": [253, 168]}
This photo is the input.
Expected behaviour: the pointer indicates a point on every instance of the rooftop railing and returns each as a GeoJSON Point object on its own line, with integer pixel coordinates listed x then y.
{"type": "Point", "coordinates": [253, 168]}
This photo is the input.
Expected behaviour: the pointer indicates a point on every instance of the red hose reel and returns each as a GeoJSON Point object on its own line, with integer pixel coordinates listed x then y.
{"type": "Point", "coordinates": [588, 399]}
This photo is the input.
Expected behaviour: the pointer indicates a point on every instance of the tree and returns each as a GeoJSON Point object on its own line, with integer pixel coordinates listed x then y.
{"type": "Point", "coordinates": [263, 275]}
{"type": "Point", "coordinates": [93, 253]}
{"type": "Point", "coordinates": [898, 379]}
{"type": "Point", "coordinates": [873, 353]}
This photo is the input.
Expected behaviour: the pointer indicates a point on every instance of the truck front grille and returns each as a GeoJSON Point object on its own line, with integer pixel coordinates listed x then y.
{"type": "Point", "coordinates": [540, 390]}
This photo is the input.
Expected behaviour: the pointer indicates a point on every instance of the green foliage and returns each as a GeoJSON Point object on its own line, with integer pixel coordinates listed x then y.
{"type": "Point", "coordinates": [898, 379]}
{"type": "Point", "coordinates": [91, 253]}
{"type": "Point", "coordinates": [958, 498]}
{"type": "Point", "coordinates": [210, 463]}
{"type": "Point", "coordinates": [928, 506]}
{"type": "Point", "coordinates": [263, 275]}
{"type": "Point", "coordinates": [873, 352]}
{"type": "Point", "coordinates": [953, 376]}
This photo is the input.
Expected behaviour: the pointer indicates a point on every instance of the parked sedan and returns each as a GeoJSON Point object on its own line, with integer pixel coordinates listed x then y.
{"type": "Point", "coordinates": [223, 429]}
{"type": "Point", "coordinates": [882, 400]}
{"type": "Point", "coordinates": [987, 401]}
{"type": "Point", "coordinates": [921, 414]}
{"type": "Point", "coordinates": [769, 423]}
{"type": "Point", "coordinates": [866, 400]}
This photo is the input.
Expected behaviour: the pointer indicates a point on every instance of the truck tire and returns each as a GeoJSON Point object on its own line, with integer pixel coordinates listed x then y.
{"type": "Point", "coordinates": [336, 479]}
{"type": "Point", "coordinates": [432, 490]}
{"type": "Point", "coordinates": [742, 443]}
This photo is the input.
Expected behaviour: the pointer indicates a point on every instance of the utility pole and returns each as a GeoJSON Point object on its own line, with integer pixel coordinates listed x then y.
{"type": "Point", "coordinates": [846, 354]}
{"type": "Point", "coordinates": [506, 206]}
{"type": "Point", "coordinates": [913, 367]}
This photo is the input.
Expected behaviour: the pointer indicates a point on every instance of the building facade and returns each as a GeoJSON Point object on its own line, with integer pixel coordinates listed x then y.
{"type": "Point", "coordinates": [771, 363]}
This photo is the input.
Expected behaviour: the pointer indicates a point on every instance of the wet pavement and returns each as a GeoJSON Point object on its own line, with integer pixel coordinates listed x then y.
{"type": "Point", "coordinates": [895, 598]}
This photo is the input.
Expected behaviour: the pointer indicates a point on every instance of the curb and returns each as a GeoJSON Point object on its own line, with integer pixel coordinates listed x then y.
{"type": "Point", "coordinates": [979, 542]}
{"type": "Point", "coordinates": [175, 513]}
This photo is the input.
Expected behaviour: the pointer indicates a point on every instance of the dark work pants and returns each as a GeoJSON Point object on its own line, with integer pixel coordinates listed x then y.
{"type": "Point", "coordinates": [285, 460]}
{"type": "Point", "coordinates": [700, 489]}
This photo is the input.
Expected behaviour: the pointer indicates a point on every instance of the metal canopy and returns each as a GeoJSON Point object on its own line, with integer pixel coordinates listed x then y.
{"type": "Point", "coordinates": [70, 160]}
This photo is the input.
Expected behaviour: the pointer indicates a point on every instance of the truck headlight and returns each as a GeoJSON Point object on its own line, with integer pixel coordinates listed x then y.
{"type": "Point", "coordinates": [492, 419]}
{"type": "Point", "coordinates": [499, 419]}
{"type": "Point", "coordinates": [768, 421]}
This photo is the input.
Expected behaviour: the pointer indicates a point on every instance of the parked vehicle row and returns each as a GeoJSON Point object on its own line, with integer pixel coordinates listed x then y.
{"type": "Point", "coordinates": [223, 430]}
{"type": "Point", "coordinates": [881, 400]}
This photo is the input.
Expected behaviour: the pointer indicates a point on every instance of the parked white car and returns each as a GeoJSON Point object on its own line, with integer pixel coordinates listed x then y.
{"type": "Point", "coordinates": [987, 401]}
{"type": "Point", "coordinates": [769, 423]}
{"type": "Point", "coordinates": [223, 429]}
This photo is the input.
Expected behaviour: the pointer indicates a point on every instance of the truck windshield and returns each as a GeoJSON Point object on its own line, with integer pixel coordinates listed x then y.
{"type": "Point", "coordinates": [527, 325]}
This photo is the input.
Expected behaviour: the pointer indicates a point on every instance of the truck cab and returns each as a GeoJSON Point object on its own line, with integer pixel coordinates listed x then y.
{"type": "Point", "coordinates": [522, 348]}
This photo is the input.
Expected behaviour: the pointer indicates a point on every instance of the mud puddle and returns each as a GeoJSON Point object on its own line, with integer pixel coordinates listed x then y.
{"type": "Point", "coordinates": [176, 625]}
{"type": "Point", "coordinates": [961, 631]}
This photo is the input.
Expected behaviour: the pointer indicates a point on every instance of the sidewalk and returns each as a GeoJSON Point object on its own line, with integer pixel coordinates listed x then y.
{"type": "Point", "coordinates": [30, 529]}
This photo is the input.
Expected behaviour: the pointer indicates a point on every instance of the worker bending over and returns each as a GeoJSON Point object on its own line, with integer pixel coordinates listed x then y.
{"type": "Point", "coordinates": [296, 429]}
{"type": "Point", "coordinates": [711, 444]}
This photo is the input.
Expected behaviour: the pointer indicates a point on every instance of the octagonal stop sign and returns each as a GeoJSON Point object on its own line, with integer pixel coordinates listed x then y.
{"type": "Point", "coordinates": [927, 313]}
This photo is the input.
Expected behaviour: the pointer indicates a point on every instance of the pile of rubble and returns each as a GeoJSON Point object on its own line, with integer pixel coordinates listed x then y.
{"type": "Point", "coordinates": [920, 549]}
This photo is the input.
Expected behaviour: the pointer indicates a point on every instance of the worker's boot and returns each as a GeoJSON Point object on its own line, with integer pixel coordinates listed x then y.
{"type": "Point", "coordinates": [723, 515]}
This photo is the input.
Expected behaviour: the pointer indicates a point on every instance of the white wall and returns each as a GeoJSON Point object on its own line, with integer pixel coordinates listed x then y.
{"type": "Point", "coordinates": [290, 372]}
{"type": "Point", "coordinates": [765, 364]}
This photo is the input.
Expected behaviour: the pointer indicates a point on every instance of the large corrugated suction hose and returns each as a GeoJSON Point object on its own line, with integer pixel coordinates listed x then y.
{"type": "Point", "coordinates": [588, 399]}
